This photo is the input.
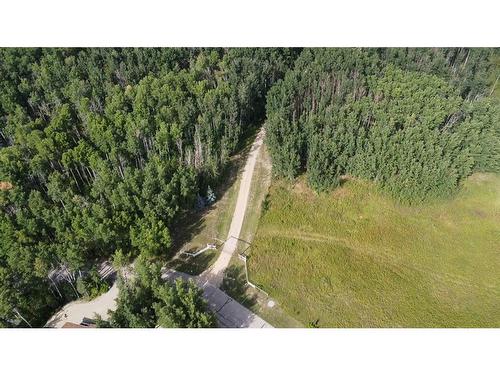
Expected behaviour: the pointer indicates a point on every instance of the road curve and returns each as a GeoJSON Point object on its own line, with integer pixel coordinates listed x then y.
{"type": "Point", "coordinates": [75, 311]}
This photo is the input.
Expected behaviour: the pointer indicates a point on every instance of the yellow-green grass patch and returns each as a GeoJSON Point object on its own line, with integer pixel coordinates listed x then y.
{"type": "Point", "coordinates": [356, 258]}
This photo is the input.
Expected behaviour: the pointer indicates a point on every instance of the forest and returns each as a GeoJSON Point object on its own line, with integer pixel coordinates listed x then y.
{"type": "Point", "coordinates": [147, 301]}
{"type": "Point", "coordinates": [416, 121]}
{"type": "Point", "coordinates": [102, 149]}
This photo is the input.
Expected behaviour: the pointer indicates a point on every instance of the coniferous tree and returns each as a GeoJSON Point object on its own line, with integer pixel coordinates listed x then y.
{"type": "Point", "coordinates": [416, 121]}
{"type": "Point", "coordinates": [102, 149]}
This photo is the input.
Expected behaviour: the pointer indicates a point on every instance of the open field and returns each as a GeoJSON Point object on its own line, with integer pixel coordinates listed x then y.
{"type": "Point", "coordinates": [354, 258]}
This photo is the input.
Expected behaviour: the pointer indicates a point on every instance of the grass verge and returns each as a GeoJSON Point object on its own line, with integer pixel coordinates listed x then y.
{"type": "Point", "coordinates": [234, 283]}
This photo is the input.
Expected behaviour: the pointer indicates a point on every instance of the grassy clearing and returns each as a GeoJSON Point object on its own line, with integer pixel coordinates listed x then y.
{"type": "Point", "coordinates": [261, 180]}
{"type": "Point", "coordinates": [193, 266]}
{"type": "Point", "coordinates": [355, 258]}
{"type": "Point", "coordinates": [234, 284]}
{"type": "Point", "coordinates": [495, 85]}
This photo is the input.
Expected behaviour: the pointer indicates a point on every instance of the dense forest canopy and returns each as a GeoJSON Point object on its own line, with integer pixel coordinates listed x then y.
{"type": "Point", "coordinates": [101, 149]}
{"type": "Point", "coordinates": [417, 121]}
{"type": "Point", "coordinates": [147, 301]}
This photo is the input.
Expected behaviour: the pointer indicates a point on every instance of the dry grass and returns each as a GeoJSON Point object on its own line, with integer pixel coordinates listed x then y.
{"type": "Point", "coordinates": [5, 185]}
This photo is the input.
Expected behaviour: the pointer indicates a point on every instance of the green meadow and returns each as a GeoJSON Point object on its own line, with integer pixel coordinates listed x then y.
{"type": "Point", "coordinates": [356, 258]}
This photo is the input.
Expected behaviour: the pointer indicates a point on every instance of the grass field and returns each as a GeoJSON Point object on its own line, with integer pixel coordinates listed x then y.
{"type": "Point", "coordinates": [355, 258]}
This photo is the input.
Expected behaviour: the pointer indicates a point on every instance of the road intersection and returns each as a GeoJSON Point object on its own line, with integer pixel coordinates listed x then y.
{"type": "Point", "coordinates": [229, 313]}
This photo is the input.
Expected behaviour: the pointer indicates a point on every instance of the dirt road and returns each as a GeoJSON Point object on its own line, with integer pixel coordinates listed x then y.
{"type": "Point", "coordinates": [215, 274]}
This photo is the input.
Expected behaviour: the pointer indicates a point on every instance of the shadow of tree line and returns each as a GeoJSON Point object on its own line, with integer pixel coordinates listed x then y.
{"type": "Point", "coordinates": [235, 285]}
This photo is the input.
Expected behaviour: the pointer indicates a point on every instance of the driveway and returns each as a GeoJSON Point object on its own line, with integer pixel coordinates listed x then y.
{"type": "Point", "coordinates": [74, 312]}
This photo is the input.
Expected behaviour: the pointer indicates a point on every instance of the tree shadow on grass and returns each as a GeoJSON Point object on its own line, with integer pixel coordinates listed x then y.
{"type": "Point", "coordinates": [193, 265]}
{"type": "Point", "coordinates": [234, 284]}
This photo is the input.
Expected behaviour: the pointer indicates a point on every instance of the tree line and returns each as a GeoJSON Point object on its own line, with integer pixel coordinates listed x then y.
{"type": "Point", "coordinates": [416, 121]}
{"type": "Point", "coordinates": [102, 149]}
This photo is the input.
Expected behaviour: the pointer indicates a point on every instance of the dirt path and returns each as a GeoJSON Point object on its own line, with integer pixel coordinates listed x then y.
{"type": "Point", "coordinates": [215, 274]}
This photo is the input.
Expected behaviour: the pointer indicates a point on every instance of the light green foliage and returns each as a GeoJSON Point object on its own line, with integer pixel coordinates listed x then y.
{"type": "Point", "coordinates": [105, 148]}
{"type": "Point", "coordinates": [120, 259]}
{"type": "Point", "coordinates": [182, 306]}
{"type": "Point", "coordinates": [151, 236]}
{"type": "Point", "coordinates": [90, 285]}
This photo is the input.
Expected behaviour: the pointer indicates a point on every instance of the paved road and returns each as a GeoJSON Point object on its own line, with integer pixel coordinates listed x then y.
{"type": "Point", "coordinates": [229, 312]}
{"type": "Point", "coordinates": [215, 274]}
{"type": "Point", "coordinates": [74, 312]}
